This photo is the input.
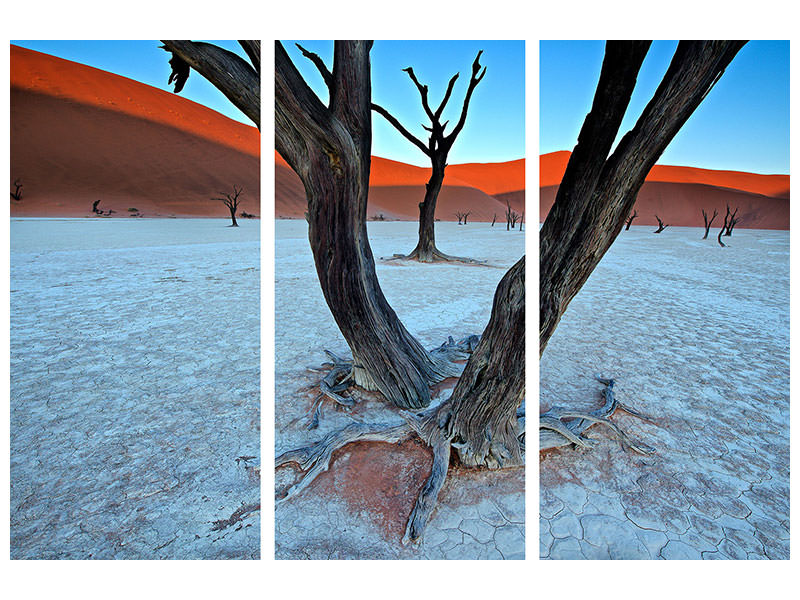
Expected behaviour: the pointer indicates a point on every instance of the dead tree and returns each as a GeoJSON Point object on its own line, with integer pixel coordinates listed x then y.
{"type": "Point", "coordinates": [494, 218]}
{"type": "Point", "coordinates": [509, 214]}
{"type": "Point", "coordinates": [598, 189]}
{"type": "Point", "coordinates": [239, 80]}
{"type": "Point", "coordinates": [95, 209]}
{"type": "Point", "coordinates": [661, 226]}
{"type": "Point", "coordinates": [232, 202]}
{"type": "Point", "coordinates": [708, 221]}
{"type": "Point", "coordinates": [466, 214]}
{"type": "Point", "coordinates": [731, 222]}
{"type": "Point", "coordinates": [17, 193]}
{"type": "Point", "coordinates": [460, 216]}
{"type": "Point", "coordinates": [436, 149]}
{"type": "Point", "coordinates": [329, 147]}
{"type": "Point", "coordinates": [514, 218]}
{"type": "Point", "coordinates": [630, 219]}
{"type": "Point", "coordinates": [521, 219]}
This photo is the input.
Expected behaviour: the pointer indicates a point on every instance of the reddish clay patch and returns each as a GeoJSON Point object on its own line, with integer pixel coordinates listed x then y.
{"type": "Point", "coordinates": [382, 479]}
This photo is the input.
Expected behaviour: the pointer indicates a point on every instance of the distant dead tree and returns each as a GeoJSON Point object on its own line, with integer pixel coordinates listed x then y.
{"type": "Point", "coordinates": [17, 193]}
{"type": "Point", "coordinates": [631, 217]}
{"type": "Point", "coordinates": [661, 226]}
{"type": "Point", "coordinates": [460, 216]}
{"type": "Point", "coordinates": [494, 218]}
{"type": "Point", "coordinates": [515, 217]}
{"type": "Point", "coordinates": [95, 209]}
{"type": "Point", "coordinates": [436, 150]}
{"type": "Point", "coordinates": [509, 215]}
{"type": "Point", "coordinates": [232, 202]}
{"type": "Point", "coordinates": [708, 221]}
{"type": "Point", "coordinates": [731, 222]}
{"type": "Point", "coordinates": [521, 219]}
{"type": "Point", "coordinates": [722, 231]}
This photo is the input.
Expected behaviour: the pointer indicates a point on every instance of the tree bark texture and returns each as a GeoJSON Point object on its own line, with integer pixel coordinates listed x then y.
{"type": "Point", "coordinates": [598, 191]}
{"type": "Point", "coordinates": [480, 417]}
{"type": "Point", "coordinates": [228, 72]}
{"type": "Point", "coordinates": [329, 148]}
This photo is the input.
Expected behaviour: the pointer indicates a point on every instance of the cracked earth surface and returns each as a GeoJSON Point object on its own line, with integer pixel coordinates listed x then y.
{"type": "Point", "coordinates": [697, 337]}
{"type": "Point", "coordinates": [134, 389]}
{"type": "Point", "coordinates": [359, 508]}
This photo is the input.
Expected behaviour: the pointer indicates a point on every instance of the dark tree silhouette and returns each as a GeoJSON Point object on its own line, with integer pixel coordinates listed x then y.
{"type": "Point", "coordinates": [730, 220]}
{"type": "Point", "coordinates": [708, 221]}
{"type": "Point", "coordinates": [661, 226]}
{"type": "Point", "coordinates": [239, 80]}
{"type": "Point", "coordinates": [630, 219]}
{"type": "Point", "coordinates": [599, 188]}
{"type": "Point", "coordinates": [494, 218]}
{"type": "Point", "coordinates": [436, 150]}
{"type": "Point", "coordinates": [329, 147]}
{"type": "Point", "coordinates": [17, 193]}
{"type": "Point", "coordinates": [232, 202]}
{"type": "Point", "coordinates": [95, 209]}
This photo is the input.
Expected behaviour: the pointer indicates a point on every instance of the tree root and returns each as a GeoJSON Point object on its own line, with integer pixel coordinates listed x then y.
{"type": "Point", "coordinates": [430, 426]}
{"type": "Point", "coordinates": [342, 374]}
{"type": "Point", "coordinates": [561, 427]}
{"type": "Point", "coordinates": [435, 256]}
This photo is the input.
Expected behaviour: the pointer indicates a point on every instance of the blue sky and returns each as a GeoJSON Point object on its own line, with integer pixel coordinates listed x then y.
{"type": "Point", "coordinates": [495, 126]}
{"type": "Point", "coordinates": [143, 61]}
{"type": "Point", "coordinates": [742, 125]}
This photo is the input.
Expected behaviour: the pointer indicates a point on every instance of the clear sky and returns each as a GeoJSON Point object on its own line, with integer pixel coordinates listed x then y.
{"type": "Point", "coordinates": [143, 61]}
{"type": "Point", "coordinates": [742, 125]}
{"type": "Point", "coordinates": [495, 126]}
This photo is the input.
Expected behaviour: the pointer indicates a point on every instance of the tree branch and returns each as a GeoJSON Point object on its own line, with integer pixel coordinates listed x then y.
{"type": "Point", "coordinates": [406, 134]}
{"type": "Point", "coordinates": [474, 80]}
{"type": "Point", "coordinates": [228, 72]}
{"type": "Point", "coordinates": [253, 50]}
{"type": "Point", "coordinates": [423, 92]}
{"type": "Point", "coordinates": [449, 91]}
{"type": "Point", "coordinates": [318, 62]}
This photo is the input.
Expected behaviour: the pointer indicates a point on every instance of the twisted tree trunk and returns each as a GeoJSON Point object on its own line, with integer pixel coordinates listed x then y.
{"type": "Point", "coordinates": [598, 191]}
{"type": "Point", "coordinates": [329, 148]}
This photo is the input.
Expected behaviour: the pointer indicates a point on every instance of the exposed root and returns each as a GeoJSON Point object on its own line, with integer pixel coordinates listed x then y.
{"type": "Point", "coordinates": [561, 427]}
{"type": "Point", "coordinates": [316, 459]}
{"type": "Point", "coordinates": [435, 256]}
{"type": "Point", "coordinates": [456, 351]}
{"type": "Point", "coordinates": [430, 426]}
{"type": "Point", "coordinates": [342, 373]}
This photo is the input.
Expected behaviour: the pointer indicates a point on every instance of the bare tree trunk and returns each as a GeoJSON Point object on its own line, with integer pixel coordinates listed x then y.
{"type": "Point", "coordinates": [707, 222]}
{"type": "Point", "coordinates": [483, 408]}
{"type": "Point", "coordinates": [631, 217]}
{"type": "Point", "coordinates": [329, 148]}
{"type": "Point", "coordinates": [233, 217]}
{"type": "Point", "coordinates": [597, 193]}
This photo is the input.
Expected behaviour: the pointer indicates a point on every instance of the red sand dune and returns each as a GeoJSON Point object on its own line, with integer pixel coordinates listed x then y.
{"type": "Point", "coordinates": [396, 189]}
{"type": "Point", "coordinates": [79, 134]}
{"type": "Point", "coordinates": [677, 194]}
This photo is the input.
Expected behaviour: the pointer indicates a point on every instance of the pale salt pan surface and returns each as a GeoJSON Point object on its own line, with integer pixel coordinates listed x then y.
{"type": "Point", "coordinates": [697, 337]}
{"type": "Point", "coordinates": [134, 388]}
{"type": "Point", "coordinates": [481, 514]}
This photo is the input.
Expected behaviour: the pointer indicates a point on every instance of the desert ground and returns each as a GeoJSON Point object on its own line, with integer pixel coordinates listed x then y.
{"type": "Point", "coordinates": [134, 427]}
{"type": "Point", "coordinates": [359, 508]}
{"type": "Point", "coordinates": [697, 337]}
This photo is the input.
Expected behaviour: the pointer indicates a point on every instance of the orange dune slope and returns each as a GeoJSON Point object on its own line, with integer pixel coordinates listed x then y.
{"type": "Point", "coordinates": [396, 189]}
{"type": "Point", "coordinates": [79, 134]}
{"type": "Point", "coordinates": [678, 194]}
